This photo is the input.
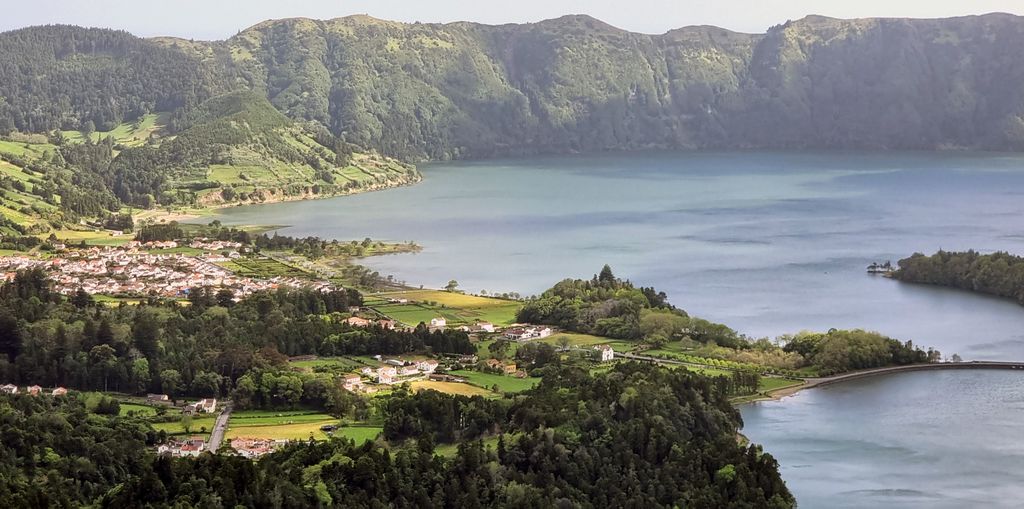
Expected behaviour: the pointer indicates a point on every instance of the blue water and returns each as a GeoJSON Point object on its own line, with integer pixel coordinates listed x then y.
{"type": "Point", "coordinates": [769, 243]}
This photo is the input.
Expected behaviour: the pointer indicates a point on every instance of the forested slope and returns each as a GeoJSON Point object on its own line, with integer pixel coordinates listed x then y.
{"type": "Point", "coordinates": [435, 91]}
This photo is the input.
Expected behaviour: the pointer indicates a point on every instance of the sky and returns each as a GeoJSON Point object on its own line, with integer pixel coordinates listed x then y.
{"type": "Point", "coordinates": [220, 19]}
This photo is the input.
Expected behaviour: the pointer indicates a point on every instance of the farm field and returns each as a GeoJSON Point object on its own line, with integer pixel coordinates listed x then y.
{"type": "Point", "coordinates": [359, 434]}
{"type": "Point", "coordinates": [451, 388]}
{"type": "Point", "coordinates": [329, 364]}
{"type": "Point", "coordinates": [283, 425]}
{"type": "Point", "coordinates": [455, 307]}
{"type": "Point", "coordinates": [176, 428]}
{"type": "Point", "coordinates": [144, 410]}
{"type": "Point", "coordinates": [504, 383]}
{"type": "Point", "coordinates": [261, 268]}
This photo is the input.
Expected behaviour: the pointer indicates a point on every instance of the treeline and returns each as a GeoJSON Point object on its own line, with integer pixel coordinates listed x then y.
{"type": "Point", "coordinates": [201, 349]}
{"type": "Point", "coordinates": [1000, 273]}
{"type": "Point", "coordinates": [638, 435]}
{"type": "Point", "coordinates": [838, 351]}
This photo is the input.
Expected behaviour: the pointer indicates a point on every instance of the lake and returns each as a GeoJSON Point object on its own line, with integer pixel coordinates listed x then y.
{"type": "Point", "coordinates": [933, 439]}
{"type": "Point", "coordinates": [769, 243]}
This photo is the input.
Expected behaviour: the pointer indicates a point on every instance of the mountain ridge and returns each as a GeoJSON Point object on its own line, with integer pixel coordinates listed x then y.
{"type": "Point", "coordinates": [428, 91]}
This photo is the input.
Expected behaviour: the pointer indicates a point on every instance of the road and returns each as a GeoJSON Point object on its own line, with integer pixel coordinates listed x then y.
{"type": "Point", "coordinates": [219, 427]}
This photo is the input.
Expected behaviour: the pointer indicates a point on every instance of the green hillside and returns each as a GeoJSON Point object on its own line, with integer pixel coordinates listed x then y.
{"type": "Point", "coordinates": [238, 148]}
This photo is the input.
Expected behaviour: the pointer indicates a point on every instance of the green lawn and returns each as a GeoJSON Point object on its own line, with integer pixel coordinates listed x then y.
{"type": "Point", "coordinates": [359, 434]}
{"type": "Point", "coordinates": [504, 383]}
{"type": "Point", "coordinates": [128, 133]}
{"type": "Point", "coordinates": [768, 384]}
{"type": "Point", "coordinates": [142, 410]}
{"type": "Point", "coordinates": [175, 427]}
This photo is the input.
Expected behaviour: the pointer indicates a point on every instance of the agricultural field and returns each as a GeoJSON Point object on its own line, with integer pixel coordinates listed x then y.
{"type": "Point", "coordinates": [23, 149]}
{"type": "Point", "coordinates": [278, 425]}
{"type": "Point", "coordinates": [176, 428]}
{"type": "Point", "coordinates": [359, 434]}
{"type": "Point", "coordinates": [262, 268]}
{"type": "Point", "coordinates": [131, 134]}
{"type": "Point", "coordinates": [142, 410]}
{"type": "Point", "coordinates": [330, 364]}
{"type": "Point", "coordinates": [457, 308]}
{"type": "Point", "coordinates": [451, 388]}
{"type": "Point", "coordinates": [504, 383]}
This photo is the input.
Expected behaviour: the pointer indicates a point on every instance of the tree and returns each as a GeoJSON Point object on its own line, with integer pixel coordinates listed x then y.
{"type": "Point", "coordinates": [563, 342]}
{"type": "Point", "coordinates": [140, 374]}
{"type": "Point", "coordinates": [170, 381]}
{"type": "Point", "coordinates": [499, 348]}
{"type": "Point", "coordinates": [606, 276]}
{"type": "Point", "coordinates": [103, 358]}
{"type": "Point", "coordinates": [451, 286]}
{"type": "Point", "coordinates": [186, 423]}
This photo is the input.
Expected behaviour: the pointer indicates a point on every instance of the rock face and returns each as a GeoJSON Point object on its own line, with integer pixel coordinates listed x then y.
{"type": "Point", "coordinates": [429, 91]}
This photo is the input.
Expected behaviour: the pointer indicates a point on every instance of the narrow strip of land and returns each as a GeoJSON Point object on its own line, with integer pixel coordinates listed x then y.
{"type": "Point", "coordinates": [809, 383]}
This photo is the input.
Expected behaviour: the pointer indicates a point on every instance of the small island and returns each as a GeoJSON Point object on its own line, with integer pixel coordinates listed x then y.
{"type": "Point", "coordinates": [1000, 273]}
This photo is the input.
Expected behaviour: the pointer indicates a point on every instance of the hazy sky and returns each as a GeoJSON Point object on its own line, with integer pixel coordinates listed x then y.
{"type": "Point", "coordinates": [218, 19]}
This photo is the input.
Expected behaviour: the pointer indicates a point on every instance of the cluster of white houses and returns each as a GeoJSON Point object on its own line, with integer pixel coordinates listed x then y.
{"type": "Point", "coordinates": [32, 390]}
{"type": "Point", "coordinates": [128, 271]}
{"type": "Point", "coordinates": [528, 332]}
{"type": "Point", "coordinates": [394, 371]}
{"type": "Point", "coordinates": [190, 447]}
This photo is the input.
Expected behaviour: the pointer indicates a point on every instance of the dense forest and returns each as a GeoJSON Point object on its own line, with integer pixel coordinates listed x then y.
{"type": "Point", "coordinates": [636, 436]}
{"type": "Point", "coordinates": [432, 91]}
{"type": "Point", "coordinates": [1000, 274]}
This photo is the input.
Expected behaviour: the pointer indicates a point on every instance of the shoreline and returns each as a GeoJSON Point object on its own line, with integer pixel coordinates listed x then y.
{"type": "Point", "coordinates": [160, 215]}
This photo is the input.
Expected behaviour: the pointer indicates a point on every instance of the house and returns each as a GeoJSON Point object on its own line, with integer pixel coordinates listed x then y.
{"type": "Point", "coordinates": [252, 448]}
{"type": "Point", "coordinates": [367, 371]}
{"type": "Point", "coordinates": [510, 369]}
{"type": "Point", "coordinates": [352, 382]}
{"type": "Point", "coordinates": [188, 448]}
{"type": "Point", "coordinates": [9, 389]}
{"type": "Point", "coordinates": [356, 321]}
{"type": "Point", "coordinates": [438, 323]}
{"type": "Point", "coordinates": [408, 371]}
{"type": "Point", "coordinates": [398, 301]}
{"type": "Point", "coordinates": [428, 366]}
{"type": "Point", "coordinates": [203, 406]}
{"type": "Point", "coordinates": [606, 352]}
{"type": "Point", "coordinates": [515, 334]}
{"type": "Point", "coordinates": [157, 398]}
{"type": "Point", "coordinates": [34, 390]}
{"type": "Point", "coordinates": [387, 324]}
{"type": "Point", "coordinates": [520, 374]}
{"type": "Point", "coordinates": [59, 391]}
{"type": "Point", "coordinates": [483, 327]}
{"type": "Point", "coordinates": [468, 359]}
{"type": "Point", "coordinates": [395, 362]}
{"type": "Point", "coordinates": [493, 363]}
{"type": "Point", "coordinates": [527, 333]}
{"type": "Point", "coordinates": [386, 375]}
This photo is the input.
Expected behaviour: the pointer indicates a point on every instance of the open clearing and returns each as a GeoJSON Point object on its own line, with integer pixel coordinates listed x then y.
{"type": "Point", "coordinates": [504, 383]}
{"type": "Point", "coordinates": [278, 425]}
{"type": "Point", "coordinates": [451, 388]}
{"type": "Point", "coordinates": [455, 307]}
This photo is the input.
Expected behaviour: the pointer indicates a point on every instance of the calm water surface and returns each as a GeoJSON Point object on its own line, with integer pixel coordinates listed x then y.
{"type": "Point", "coordinates": [768, 243]}
{"type": "Point", "coordinates": [937, 439]}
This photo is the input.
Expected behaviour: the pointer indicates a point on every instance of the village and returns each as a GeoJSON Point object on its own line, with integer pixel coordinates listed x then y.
{"type": "Point", "coordinates": [140, 269]}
